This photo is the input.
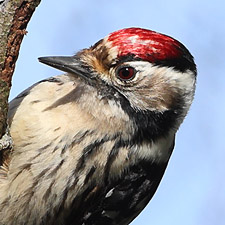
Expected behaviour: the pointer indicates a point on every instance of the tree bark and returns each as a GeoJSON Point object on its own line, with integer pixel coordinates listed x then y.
{"type": "Point", "coordinates": [14, 17]}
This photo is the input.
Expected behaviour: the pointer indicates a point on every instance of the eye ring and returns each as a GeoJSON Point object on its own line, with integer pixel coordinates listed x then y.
{"type": "Point", "coordinates": [125, 73]}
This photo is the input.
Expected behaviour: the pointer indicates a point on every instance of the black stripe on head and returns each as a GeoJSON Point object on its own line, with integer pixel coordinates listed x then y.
{"type": "Point", "coordinates": [182, 63]}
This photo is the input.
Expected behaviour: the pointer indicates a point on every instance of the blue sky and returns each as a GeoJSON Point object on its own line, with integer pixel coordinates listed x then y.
{"type": "Point", "coordinates": [193, 189]}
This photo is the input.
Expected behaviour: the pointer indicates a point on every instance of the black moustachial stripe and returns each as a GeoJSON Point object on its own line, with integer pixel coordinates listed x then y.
{"type": "Point", "coordinates": [151, 125]}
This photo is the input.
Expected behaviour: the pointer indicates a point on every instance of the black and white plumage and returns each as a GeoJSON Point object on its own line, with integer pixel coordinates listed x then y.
{"type": "Point", "coordinates": [91, 146]}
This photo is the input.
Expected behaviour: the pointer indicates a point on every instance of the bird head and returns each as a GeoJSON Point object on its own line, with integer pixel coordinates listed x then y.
{"type": "Point", "coordinates": [151, 76]}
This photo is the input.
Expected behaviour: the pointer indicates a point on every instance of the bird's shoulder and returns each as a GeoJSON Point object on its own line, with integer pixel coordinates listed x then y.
{"type": "Point", "coordinates": [42, 91]}
{"type": "Point", "coordinates": [123, 199]}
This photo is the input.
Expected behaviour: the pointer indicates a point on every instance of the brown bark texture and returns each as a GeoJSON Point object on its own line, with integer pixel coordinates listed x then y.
{"type": "Point", "coordinates": [14, 17]}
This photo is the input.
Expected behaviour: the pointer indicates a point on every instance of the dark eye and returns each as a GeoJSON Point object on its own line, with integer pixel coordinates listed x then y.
{"type": "Point", "coordinates": [126, 73]}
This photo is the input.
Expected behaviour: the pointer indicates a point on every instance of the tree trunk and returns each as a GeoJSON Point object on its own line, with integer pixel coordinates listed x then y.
{"type": "Point", "coordinates": [14, 17]}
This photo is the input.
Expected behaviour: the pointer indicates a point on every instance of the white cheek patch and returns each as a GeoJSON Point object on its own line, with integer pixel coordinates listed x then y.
{"type": "Point", "coordinates": [182, 83]}
{"type": "Point", "coordinates": [162, 82]}
{"type": "Point", "coordinates": [178, 79]}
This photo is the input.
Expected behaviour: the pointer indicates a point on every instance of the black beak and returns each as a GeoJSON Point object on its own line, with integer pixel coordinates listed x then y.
{"type": "Point", "coordinates": [68, 64]}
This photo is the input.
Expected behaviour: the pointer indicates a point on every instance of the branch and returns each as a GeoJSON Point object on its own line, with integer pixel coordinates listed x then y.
{"type": "Point", "coordinates": [14, 17]}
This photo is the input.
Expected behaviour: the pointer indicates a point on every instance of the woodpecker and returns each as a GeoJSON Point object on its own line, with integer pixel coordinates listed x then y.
{"type": "Point", "coordinates": [91, 145]}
